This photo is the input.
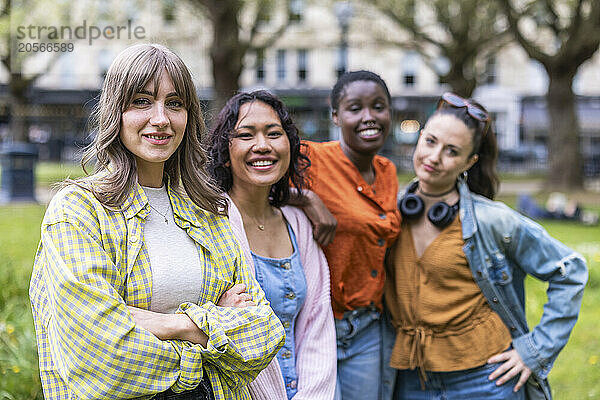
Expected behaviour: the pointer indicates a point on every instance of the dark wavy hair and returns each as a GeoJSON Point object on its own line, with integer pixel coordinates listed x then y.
{"type": "Point", "coordinates": [481, 177]}
{"type": "Point", "coordinates": [221, 133]}
{"type": "Point", "coordinates": [338, 89]}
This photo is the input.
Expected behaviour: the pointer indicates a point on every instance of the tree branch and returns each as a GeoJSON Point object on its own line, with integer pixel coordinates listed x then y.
{"type": "Point", "coordinates": [554, 19]}
{"type": "Point", "coordinates": [272, 38]}
{"type": "Point", "coordinates": [530, 48]}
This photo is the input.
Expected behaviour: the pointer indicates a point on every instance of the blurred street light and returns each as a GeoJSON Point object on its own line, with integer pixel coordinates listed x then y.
{"type": "Point", "coordinates": [343, 12]}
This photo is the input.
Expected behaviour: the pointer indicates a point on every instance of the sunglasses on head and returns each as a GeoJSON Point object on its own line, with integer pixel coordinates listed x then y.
{"type": "Point", "coordinates": [454, 100]}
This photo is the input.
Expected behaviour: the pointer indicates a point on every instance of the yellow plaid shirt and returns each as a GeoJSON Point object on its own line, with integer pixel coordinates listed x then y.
{"type": "Point", "coordinates": [92, 262]}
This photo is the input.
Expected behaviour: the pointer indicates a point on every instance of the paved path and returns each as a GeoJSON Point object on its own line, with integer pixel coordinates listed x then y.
{"type": "Point", "coordinates": [520, 187]}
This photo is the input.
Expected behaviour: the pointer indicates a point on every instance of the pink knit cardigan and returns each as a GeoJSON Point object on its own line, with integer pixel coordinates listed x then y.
{"type": "Point", "coordinates": [316, 351]}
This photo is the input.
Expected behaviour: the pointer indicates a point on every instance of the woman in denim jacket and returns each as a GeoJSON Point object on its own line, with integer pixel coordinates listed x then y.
{"type": "Point", "coordinates": [455, 289]}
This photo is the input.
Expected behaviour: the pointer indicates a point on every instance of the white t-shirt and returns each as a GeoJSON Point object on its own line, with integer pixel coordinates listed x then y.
{"type": "Point", "coordinates": [177, 270]}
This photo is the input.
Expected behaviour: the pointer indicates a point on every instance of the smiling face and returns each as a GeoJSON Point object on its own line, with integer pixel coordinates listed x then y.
{"type": "Point", "coordinates": [152, 127]}
{"type": "Point", "coordinates": [443, 152]}
{"type": "Point", "coordinates": [259, 150]}
{"type": "Point", "coordinates": [364, 117]}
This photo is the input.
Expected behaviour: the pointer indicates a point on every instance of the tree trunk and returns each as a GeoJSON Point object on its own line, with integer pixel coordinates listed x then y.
{"type": "Point", "coordinates": [460, 84]}
{"type": "Point", "coordinates": [227, 53]}
{"type": "Point", "coordinates": [565, 171]}
{"type": "Point", "coordinates": [18, 106]}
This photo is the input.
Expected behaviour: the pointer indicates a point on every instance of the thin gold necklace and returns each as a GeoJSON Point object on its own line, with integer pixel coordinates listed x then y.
{"type": "Point", "coordinates": [260, 226]}
{"type": "Point", "coordinates": [161, 214]}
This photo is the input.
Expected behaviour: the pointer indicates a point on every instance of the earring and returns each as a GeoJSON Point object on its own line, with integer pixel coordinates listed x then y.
{"type": "Point", "coordinates": [464, 175]}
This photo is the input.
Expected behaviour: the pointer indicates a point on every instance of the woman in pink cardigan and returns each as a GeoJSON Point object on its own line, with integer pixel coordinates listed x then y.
{"type": "Point", "coordinates": [255, 151]}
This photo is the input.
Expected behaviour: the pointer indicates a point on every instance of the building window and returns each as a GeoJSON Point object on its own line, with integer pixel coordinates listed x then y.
{"type": "Point", "coordinates": [296, 10]}
{"type": "Point", "coordinates": [302, 65]}
{"type": "Point", "coordinates": [410, 66]}
{"type": "Point", "coordinates": [281, 64]}
{"type": "Point", "coordinates": [260, 65]}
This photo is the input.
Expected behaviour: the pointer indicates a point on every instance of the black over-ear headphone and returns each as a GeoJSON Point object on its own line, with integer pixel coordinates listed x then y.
{"type": "Point", "coordinates": [440, 214]}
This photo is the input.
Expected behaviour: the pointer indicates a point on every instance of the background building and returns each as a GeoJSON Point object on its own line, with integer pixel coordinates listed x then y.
{"type": "Point", "coordinates": [301, 65]}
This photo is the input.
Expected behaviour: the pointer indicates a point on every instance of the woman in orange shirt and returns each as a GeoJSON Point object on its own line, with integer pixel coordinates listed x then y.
{"type": "Point", "coordinates": [359, 187]}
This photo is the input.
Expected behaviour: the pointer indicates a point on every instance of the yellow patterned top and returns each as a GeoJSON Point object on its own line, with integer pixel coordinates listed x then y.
{"type": "Point", "coordinates": [92, 262]}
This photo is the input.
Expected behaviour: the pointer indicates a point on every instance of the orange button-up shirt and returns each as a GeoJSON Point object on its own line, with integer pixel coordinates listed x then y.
{"type": "Point", "coordinates": [368, 223]}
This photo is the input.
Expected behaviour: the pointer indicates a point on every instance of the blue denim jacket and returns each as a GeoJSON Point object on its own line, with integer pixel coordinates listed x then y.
{"type": "Point", "coordinates": [502, 247]}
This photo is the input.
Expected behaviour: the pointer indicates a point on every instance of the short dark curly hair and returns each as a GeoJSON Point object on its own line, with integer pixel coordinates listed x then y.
{"type": "Point", "coordinates": [348, 77]}
{"type": "Point", "coordinates": [221, 133]}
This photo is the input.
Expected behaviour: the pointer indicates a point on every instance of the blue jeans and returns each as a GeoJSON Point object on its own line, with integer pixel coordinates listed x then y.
{"type": "Point", "coordinates": [358, 336]}
{"type": "Point", "coordinates": [470, 384]}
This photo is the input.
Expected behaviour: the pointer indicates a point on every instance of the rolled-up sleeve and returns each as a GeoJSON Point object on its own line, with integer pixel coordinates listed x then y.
{"type": "Point", "coordinates": [241, 341]}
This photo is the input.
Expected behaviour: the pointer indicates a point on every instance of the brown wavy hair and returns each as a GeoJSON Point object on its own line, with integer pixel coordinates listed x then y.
{"type": "Point", "coordinates": [115, 172]}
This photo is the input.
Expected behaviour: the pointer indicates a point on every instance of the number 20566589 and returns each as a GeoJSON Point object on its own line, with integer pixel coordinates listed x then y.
{"type": "Point", "coordinates": [35, 47]}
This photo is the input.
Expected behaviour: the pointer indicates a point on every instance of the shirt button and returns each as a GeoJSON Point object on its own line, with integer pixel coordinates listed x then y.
{"type": "Point", "coordinates": [286, 265]}
{"type": "Point", "coordinates": [133, 239]}
{"type": "Point", "coordinates": [382, 216]}
{"type": "Point", "coordinates": [495, 299]}
{"type": "Point", "coordinates": [374, 273]}
{"type": "Point", "coordinates": [293, 384]}
{"type": "Point", "coordinates": [360, 188]}
{"type": "Point", "coordinates": [286, 324]}
{"type": "Point", "coordinates": [380, 242]}
{"type": "Point", "coordinates": [291, 295]}
{"type": "Point", "coordinates": [504, 276]}
{"type": "Point", "coordinates": [286, 354]}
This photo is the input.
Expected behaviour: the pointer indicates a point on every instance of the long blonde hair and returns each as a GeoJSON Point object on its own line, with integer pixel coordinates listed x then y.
{"type": "Point", "coordinates": [115, 169]}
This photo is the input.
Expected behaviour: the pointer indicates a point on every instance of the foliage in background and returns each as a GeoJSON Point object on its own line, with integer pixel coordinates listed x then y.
{"type": "Point", "coordinates": [19, 235]}
{"type": "Point", "coordinates": [14, 13]}
{"type": "Point", "coordinates": [456, 38]}
{"type": "Point", "coordinates": [236, 30]}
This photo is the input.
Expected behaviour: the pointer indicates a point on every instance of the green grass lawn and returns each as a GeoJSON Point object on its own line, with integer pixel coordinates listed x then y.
{"type": "Point", "coordinates": [575, 375]}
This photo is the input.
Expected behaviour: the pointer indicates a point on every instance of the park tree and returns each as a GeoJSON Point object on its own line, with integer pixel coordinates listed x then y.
{"type": "Point", "coordinates": [20, 80]}
{"type": "Point", "coordinates": [13, 61]}
{"type": "Point", "coordinates": [561, 35]}
{"type": "Point", "coordinates": [455, 38]}
{"type": "Point", "coordinates": [236, 31]}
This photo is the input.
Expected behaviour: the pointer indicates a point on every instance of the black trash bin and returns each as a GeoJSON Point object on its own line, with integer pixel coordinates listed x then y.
{"type": "Point", "coordinates": [18, 166]}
